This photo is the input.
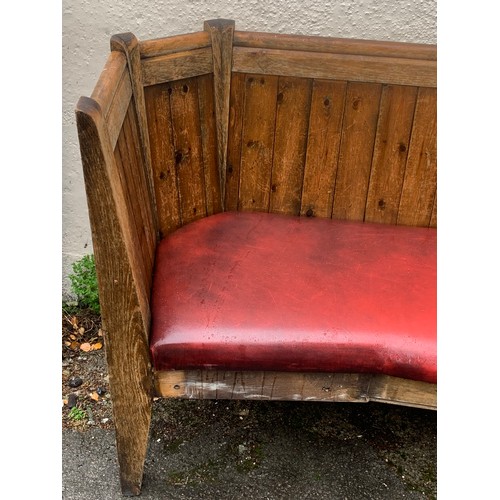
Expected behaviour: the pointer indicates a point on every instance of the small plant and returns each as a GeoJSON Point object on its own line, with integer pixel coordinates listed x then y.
{"type": "Point", "coordinates": [77, 414]}
{"type": "Point", "coordinates": [84, 283]}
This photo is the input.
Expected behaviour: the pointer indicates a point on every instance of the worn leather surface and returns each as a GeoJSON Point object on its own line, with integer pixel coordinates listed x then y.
{"type": "Point", "coordinates": [258, 291]}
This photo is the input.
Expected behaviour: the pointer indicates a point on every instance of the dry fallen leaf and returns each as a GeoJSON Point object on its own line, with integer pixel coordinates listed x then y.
{"type": "Point", "coordinates": [95, 396]}
{"type": "Point", "coordinates": [67, 344]}
{"type": "Point", "coordinates": [99, 333]}
{"type": "Point", "coordinates": [81, 330]}
{"type": "Point", "coordinates": [74, 322]}
{"type": "Point", "coordinates": [74, 345]}
{"type": "Point", "coordinates": [72, 337]}
{"type": "Point", "coordinates": [97, 346]}
{"type": "Point", "coordinates": [86, 347]}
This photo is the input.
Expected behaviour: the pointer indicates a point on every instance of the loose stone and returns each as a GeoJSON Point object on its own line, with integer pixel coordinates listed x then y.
{"type": "Point", "coordinates": [72, 399]}
{"type": "Point", "coordinates": [75, 382]}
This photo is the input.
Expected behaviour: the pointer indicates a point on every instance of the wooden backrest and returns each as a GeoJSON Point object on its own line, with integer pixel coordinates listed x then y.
{"type": "Point", "coordinates": [316, 126]}
{"type": "Point", "coordinates": [333, 128]}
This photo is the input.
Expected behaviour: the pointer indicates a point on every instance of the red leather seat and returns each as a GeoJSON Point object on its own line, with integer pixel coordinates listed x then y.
{"type": "Point", "coordinates": [258, 291]}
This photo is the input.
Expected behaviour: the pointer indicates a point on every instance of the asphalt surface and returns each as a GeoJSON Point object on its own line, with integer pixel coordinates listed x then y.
{"type": "Point", "coordinates": [265, 450]}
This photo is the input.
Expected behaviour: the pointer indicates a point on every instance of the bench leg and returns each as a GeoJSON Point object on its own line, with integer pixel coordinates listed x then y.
{"type": "Point", "coordinates": [132, 433]}
{"type": "Point", "coordinates": [130, 380]}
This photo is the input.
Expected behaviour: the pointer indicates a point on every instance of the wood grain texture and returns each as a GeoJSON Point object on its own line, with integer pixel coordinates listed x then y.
{"type": "Point", "coordinates": [325, 130]}
{"type": "Point", "coordinates": [209, 144]}
{"type": "Point", "coordinates": [129, 45]}
{"type": "Point", "coordinates": [125, 311]}
{"type": "Point", "coordinates": [390, 152]}
{"type": "Point", "coordinates": [161, 139]}
{"type": "Point", "coordinates": [259, 119]}
{"type": "Point", "coordinates": [172, 44]}
{"type": "Point", "coordinates": [292, 386]}
{"type": "Point", "coordinates": [221, 33]}
{"type": "Point", "coordinates": [388, 70]}
{"type": "Point", "coordinates": [109, 79]}
{"type": "Point", "coordinates": [356, 149]}
{"type": "Point", "coordinates": [236, 103]}
{"type": "Point", "coordinates": [433, 222]}
{"type": "Point", "coordinates": [186, 129]}
{"type": "Point", "coordinates": [334, 45]}
{"type": "Point", "coordinates": [118, 108]}
{"type": "Point", "coordinates": [290, 142]}
{"type": "Point", "coordinates": [419, 187]}
{"type": "Point", "coordinates": [177, 66]}
{"type": "Point", "coordinates": [133, 179]}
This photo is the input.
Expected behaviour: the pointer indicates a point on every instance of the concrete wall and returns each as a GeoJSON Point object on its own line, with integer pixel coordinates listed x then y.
{"type": "Point", "coordinates": [89, 24]}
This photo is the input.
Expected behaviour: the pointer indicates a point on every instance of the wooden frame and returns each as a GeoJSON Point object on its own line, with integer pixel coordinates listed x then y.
{"type": "Point", "coordinates": [183, 127]}
{"type": "Point", "coordinates": [291, 386]}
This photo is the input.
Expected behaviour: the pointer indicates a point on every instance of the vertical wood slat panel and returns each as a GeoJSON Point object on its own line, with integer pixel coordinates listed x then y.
{"type": "Point", "coordinates": [419, 187]}
{"type": "Point", "coordinates": [134, 181]}
{"type": "Point", "coordinates": [292, 121]}
{"type": "Point", "coordinates": [121, 159]}
{"type": "Point", "coordinates": [345, 156]}
{"type": "Point", "coordinates": [356, 148]}
{"type": "Point", "coordinates": [236, 102]}
{"type": "Point", "coordinates": [163, 157]}
{"type": "Point", "coordinates": [390, 153]}
{"type": "Point", "coordinates": [129, 45]}
{"type": "Point", "coordinates": [209, 144]}
{"type": "Point", "coordinates": [142, 180]}
{"type": "Point", "coordinates": [257, 142]}
{"type": "Point", "coordinates": [325, 128]}
{"type": "Point", "coordinates": [184, 106]}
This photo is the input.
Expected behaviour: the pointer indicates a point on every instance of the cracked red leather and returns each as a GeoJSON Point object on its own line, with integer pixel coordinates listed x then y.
{"type": "Point", "coordinates": [258, 291]}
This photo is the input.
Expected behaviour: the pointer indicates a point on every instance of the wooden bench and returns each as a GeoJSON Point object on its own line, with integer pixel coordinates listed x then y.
{"type": "Point", "coordinates": [263, 214]}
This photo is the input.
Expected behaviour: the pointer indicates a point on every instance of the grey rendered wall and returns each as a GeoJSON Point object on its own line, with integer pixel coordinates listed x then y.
{"type": "Point", "coordinates": [89, 24]}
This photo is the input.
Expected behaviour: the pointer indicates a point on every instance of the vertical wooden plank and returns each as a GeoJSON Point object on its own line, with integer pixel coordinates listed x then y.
{"type": "Point", "coordinates": [356, 148]}
{"type": "Point", "coordinates": [397, 108]}
{"type": "Point", "coordinates": [124, 308]}
{"type": "Point", "coordinates": [127, 165]}
{"type": "Point", "coordinates": [221, 33]}
{"type": "Point", "coordinates": [419, 187]}
{"type": "Point", "coordinates": [236, 103]}
{"type": "Point", "coordinates": [188, 150]}
{"type": "Point", "coordinates": [325, 129]}
{"type": "Point", "coordinates": [209, 144]}
{"type": "Point", "coordinates": [137, 181]}
{"type": "Point", "coordinates": [290, 142]}
{"type": "Point", "coordinates": [129, 45]}
{"type": "Point", "coordinates": [257, 142]}
{"type": "Point", "coordinates": [159, 118]}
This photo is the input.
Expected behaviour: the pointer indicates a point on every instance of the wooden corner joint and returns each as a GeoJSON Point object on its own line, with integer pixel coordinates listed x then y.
{"type": "Point", "coordinates": [124, 42]}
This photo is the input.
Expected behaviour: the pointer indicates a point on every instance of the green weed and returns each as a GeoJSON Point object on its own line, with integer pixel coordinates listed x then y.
{"type": "Point", "coordinates": [84, 283]}
{"type": "Point", "coordinates": [77, 414]}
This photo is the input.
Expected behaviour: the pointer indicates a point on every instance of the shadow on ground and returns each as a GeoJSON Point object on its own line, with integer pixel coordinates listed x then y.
{"type": "Point", "coordinates": [265, 450]}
